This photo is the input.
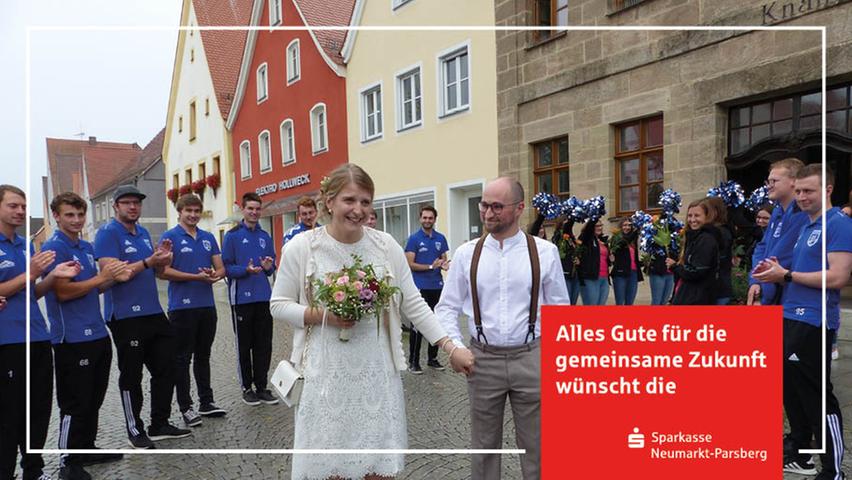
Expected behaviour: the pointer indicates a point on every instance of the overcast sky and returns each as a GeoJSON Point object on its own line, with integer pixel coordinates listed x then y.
{"type": "Point", "coordinates": [113, 85]}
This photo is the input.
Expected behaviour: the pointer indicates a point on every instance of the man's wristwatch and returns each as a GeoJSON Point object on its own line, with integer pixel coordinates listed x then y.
{"type": "Point", "coordinates": [788, 277]}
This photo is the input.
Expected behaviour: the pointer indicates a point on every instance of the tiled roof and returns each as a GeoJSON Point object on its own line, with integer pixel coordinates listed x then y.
{"type": "Point", "coordinates": [328, 13]}
{"type": "Point", "coordinates": [224, 48]}
{"type": "Point", "coordinates": [64, 161]}
{"type": "Point", "coordinates": [105, 165]}
{"type": "Point", "coordinates": [152, 152]}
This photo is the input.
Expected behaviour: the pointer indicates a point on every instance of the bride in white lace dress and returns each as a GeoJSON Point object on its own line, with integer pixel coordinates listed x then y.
{"type": "Point", "coordinates": [352, 397]}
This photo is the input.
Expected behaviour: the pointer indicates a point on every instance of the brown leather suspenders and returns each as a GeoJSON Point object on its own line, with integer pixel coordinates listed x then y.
{"type": "Point", "coordinates": [536, 284]}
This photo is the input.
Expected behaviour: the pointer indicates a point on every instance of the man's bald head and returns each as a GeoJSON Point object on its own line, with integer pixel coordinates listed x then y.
{"type": "Point", "coordinates": [507, 186]}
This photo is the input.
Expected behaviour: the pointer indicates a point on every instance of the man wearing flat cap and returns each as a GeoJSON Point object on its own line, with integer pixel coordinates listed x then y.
{"type": "Point", "coordinates": [140, 330]}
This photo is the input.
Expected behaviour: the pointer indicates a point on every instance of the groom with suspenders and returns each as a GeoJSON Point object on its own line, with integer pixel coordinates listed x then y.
{"type": "Point", "coordinates": [498, 282]}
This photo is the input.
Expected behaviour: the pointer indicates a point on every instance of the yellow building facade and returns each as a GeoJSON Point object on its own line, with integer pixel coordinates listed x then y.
{"type": "Point", "coordinates": [422, 112]}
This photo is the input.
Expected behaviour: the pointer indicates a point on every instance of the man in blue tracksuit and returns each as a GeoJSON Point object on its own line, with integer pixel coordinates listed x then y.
{"type": "Point", "coordinates": [803, 308]}
{"type": "Point", "coordinates": [81, 344]}
{"type": "Point", "coordinates": [785, 224]}
{"type": "Point", "coordinates": [140, 330]}
{"type": "Point", "coordinates": [196, 266]}
{"type": "Point", "coordinates": [426, 252]}
{"type": "Point", "coordinates": [13, 331]}
{"type": "Point", "coordinates": [249, 257]}
{"type": "Point", "coordinates": [307, 211]}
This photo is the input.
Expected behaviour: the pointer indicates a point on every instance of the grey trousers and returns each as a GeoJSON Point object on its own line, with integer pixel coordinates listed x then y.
{"type": "Point", "coordinates": [501, 372]}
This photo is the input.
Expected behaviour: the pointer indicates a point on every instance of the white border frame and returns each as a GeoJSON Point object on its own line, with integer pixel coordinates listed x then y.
{"type": "Point", "coordinates": [362, 111]}
{"type": "Point", "coordinates": [28, 159]}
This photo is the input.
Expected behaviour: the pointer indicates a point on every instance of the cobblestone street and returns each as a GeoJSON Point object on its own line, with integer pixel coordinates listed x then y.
{"type": "Point", "coordinates": [437, 410]}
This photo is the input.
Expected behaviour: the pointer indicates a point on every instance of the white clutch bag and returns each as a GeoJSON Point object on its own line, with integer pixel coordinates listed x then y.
{"type": "Point", "coordinates": [288, 383]}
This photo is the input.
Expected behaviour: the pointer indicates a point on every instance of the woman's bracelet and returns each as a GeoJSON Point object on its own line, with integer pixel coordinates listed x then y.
{"type": "Point", "coordinates": [452, 350]}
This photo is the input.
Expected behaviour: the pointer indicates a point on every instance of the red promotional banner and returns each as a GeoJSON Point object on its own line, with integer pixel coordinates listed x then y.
{"type": "Point", "coordinates": [661, 392]}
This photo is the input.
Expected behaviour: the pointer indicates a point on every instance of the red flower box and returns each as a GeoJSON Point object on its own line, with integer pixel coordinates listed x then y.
{"type": "Point", "coordinates": [213, 181]}
{"type": "Point", "coordinates": [198, 186]}
{"type": "Point", "coordinates": [173, 194]}
{"type": "Point", "coordinates": [184, 189]}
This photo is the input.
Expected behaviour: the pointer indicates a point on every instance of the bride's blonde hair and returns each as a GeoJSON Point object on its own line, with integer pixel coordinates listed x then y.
{"type": "Point", "coordinates": [339, 178]}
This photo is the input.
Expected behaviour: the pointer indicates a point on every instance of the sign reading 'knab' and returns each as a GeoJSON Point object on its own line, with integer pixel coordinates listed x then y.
{"type": "Point", "coordinates": [661, 392]}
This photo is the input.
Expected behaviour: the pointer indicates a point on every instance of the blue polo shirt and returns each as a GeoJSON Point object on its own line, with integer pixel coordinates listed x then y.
{"type": "Point", "coordinates": [426, 249]}
{"type": "Point", "coordinates": [190, 254]}
{"type": "Point", "coordinates": [803, 303]}
{"type": "Point", "coordinates": [242, 244]}
{"type": "Point", "coordinates": [13, 318]}
{"type": "Point", "coordinates": [77, 320]}
{"type": "Point", "coordinates": [137, 297]}
{"type": "Point", "coordinates": [778, 240]}
{"type": "Point", "coordinates": [295, 230]}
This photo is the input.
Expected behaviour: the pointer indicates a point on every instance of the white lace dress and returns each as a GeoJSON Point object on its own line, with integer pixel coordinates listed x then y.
{"type": "Point", "coordinates": [352, 397]}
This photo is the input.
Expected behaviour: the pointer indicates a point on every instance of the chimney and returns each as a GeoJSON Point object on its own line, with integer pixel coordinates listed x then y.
{"type": "Point", "coordinates": [93, 140]}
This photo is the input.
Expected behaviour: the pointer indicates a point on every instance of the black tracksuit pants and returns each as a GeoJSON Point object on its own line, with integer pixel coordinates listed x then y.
{"type": "Point", "coordinates": [82, 377]}
{"type": "Point", "coordinates": [252, 324]}
{"type": "Point", "coordinates": [13, 406]}
{"type": "Point", "coordinates": [803, 392]}
{"type": "Point", "coordinates": [415, 338]}
{"type": "Point", "coordinates": [150, 341]}
{"type": "Point", "coordinates": [195, 329]}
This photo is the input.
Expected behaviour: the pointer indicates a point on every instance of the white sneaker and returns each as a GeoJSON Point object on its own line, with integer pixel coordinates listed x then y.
{"type": "Point", "coordinates": [835, 353]}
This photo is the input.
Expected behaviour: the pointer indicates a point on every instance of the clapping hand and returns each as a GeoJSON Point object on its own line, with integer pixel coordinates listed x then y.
{"type": "Point", "coordinates": [267, 263]}
{"type": "Point", "coordinates": [251, 268]}
{"type": "Point", "coordinates": [162, 255]}
{"type": "Point", "coordinates": [2, 303]}
{"type": "Point", "coordinates": [769, 271]}
{"type": "Point", "coordinates": [68, 269]}
{"type": "Point", "coordinates": [40, 261]}
{"type": "Point", "coordinates": [207, 274]}
{"type": "Point", "coordinates": [116, 271]}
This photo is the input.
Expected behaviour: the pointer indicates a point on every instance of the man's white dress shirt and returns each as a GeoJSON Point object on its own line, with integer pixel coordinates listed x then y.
{"type": "Point", "coordinates": [504, 280]}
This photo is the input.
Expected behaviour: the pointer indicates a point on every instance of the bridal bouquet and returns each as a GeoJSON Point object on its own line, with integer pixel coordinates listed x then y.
{"type": "Point", "coordinates": [354, 292]}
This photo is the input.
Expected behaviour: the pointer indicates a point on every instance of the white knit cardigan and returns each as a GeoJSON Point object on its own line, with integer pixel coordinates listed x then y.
{"type": "Point", "coordinates": [290, 299]}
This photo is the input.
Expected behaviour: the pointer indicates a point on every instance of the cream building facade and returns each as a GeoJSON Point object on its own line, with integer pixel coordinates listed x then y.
{"type": "Point", "coordinates": [422, 112]}
{"type": "Point", "coordinates": [197, 145]}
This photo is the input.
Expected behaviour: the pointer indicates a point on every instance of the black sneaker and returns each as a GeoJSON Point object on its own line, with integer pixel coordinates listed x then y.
{"type": "Point", "coordinates": [190, 417]}
{"type": "Point", "coordinates": [167, 430]}
{"type": "Point", "coordinates": [140, 441]}
{"type": "Point", "coordinates": [250, 398]}
{"type": "Point", "coordinates": [435, 364]}
{"type": "Point", "coordinates": [74, 471]}
{"type": "Point", "coordinates": [211, 410]}
{"type": "Point", "coordinates": [415, 369]}
{"type": "Point", "coordinates": [800, 467]}
{"type": "Point", "coordinates": [267, 397]}
{"type": "Point", "coordinates": [97, 458]}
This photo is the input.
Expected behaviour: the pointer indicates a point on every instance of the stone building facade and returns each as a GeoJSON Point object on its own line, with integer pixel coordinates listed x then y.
{"type": "Point", "coordinates": [627, 113]}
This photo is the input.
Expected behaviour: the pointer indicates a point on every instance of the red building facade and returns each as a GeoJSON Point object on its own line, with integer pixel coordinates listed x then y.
{"type": "Point", "coordinates": [288, 123]}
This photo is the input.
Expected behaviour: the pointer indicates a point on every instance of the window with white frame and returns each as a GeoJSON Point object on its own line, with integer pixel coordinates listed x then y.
{"type": "Point", "coordinates": [264, 151]}
{"type": "Point", "coordinates": [319, 129]}
{"type": "Point", "coordinates": [455, 81]}
{"type": "Point", "coordinates": [274, 12]}
{"type": "Point", "coordinates": [245, 159]}
{"type": "Point", "coordinates": [262, 83]}
{"type": "Point", "coordinates": [409, 104]}
{"type": "Point", "coordinates": [371, 113]}
{"type": "Point", "coordinates": [293, 66]}
{"type": "Point", "coordinates": [400, 216]}
{"type": "Point", "coordinates": [288, 142]}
